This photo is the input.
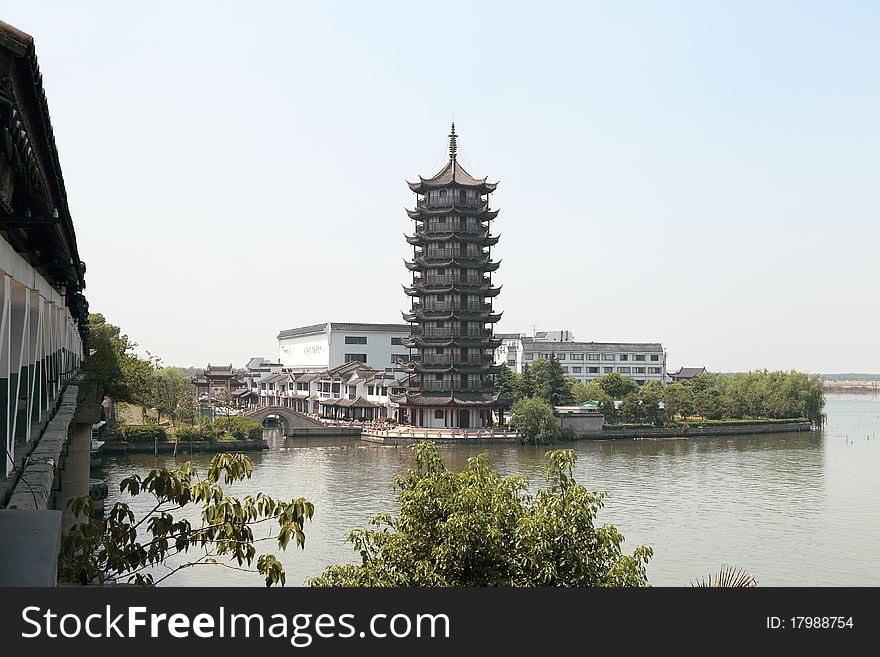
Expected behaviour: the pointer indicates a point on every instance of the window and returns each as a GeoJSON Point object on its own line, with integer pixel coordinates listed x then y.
{"type": "Point", "coordinates": [396, 341]}
{"type": "Point", "coordinates": [624, 357]}
{"type": "Point", "coordinates": [384, 390]}
{"type": "Point", "coordinates": [358, 357]}
{"type": "Point", "coordinates": [577, 370]}
{"type": "Point", "coordinates": [355, 339]}
{"type": "Point", "coordinates": [438, 414]}
{"type": "Point", "coordinates": [641, 382]}
{"type": "Point", "coordinates": [398, 358]}
{"type": "Point", "coordinates": [528, 356]}
{"type": "Point", "coordinates": [441, 297]}
{"type": "Point", "coordinates": [653, 370]}
{"type": "Point", "coordinates": [335, 387]}
{"type": "Point", "coordinates": [640, 357]}
{"type": "Point", "coordinates": [438, 377]}
{"type": "Point", "coordinates": [544, 356]}
{"type": "Point", "coordinates": [624, 370]}
{"type": "Point", "coordinates": [511, 363]}
{"type": "Point", "coordinates": [592, 356]}
{"type": "Point", "coordinates": [592, 370]}
{"type": "Point", "coordinates": [638, 370]}
{"type": "Point", "coordinates": [655, 357]}
{"type": "Point", "coordinates": [607, 356]}
{"type": "Point", "coordinates": [608, 370]}
{"type": "Point", "coordinates": [560, 356]}
{"type": "Point", "coordinates": [577, 356]}
{"type": "Point", "coordinates": [565, 370]}
{"type": "Point", "coordinates": [370, 390]}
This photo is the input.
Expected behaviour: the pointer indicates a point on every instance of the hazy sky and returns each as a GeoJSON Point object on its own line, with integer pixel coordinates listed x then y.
{"type": "Point", "coordinates": [702, 174]}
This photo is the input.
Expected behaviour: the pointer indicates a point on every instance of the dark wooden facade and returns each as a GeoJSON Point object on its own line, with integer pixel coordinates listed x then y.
{"type": "Point", "coordinates": [451, 342]}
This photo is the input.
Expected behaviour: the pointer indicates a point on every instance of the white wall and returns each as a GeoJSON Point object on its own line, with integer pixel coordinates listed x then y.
{"type": "Point", "coordinates": [378, 348]}
{"type": "Point", "coordinates": [310, 352]}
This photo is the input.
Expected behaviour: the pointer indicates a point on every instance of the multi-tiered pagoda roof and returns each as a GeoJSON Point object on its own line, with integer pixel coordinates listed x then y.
{"type": "Point", "coordinates": [452, 294]}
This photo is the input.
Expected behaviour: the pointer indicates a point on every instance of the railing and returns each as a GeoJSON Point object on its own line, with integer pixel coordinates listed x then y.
{"type": "Point", "coordinates": [451, 385]}
{"type": "Point", "coordinates": [453, 358]}
{"type": "Point", "coordinates": [432, 225]}
{"type": "Point", "coordinates": [451, 200]}
{"type": "Point", "coordinates": [439, 279]}
{"type": "Point", "coordinates": [453, 253]}
{"type": "Point", "coordinates": [452, 332]}
{"type": "Point", "coordinates": [380, 430]}
{"type": "Point", "coordinates": [451, 305]}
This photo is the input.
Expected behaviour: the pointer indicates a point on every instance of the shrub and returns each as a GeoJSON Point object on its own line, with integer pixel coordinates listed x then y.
{"type": "Point", "coordinates": [141, 433]}
{"type": "Point", "coordinates": [238, 426]}
{"type": "Point", "coordinates": [196, 434]}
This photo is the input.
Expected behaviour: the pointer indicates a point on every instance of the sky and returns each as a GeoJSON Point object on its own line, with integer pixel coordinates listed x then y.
{"type": "Point", "coordinates": [700, 174]}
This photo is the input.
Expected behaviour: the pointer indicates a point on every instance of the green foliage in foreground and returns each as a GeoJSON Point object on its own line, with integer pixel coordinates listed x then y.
{"type": "Point", "coordinates": [476, 528]}
{"type": "Point", "coordinates": [121, 548]}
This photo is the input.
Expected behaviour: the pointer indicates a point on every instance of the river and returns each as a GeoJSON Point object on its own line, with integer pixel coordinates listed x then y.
{"type": "Point", "coordinates": [796, 509]}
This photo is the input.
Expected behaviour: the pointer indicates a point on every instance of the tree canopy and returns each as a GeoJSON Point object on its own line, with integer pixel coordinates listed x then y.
{"type": "Point", "coordinates": [477, 528]}
{"type": "Point", "coordinates": [112, 549]}
{"type": "Point", "coordinates": [550, 383]}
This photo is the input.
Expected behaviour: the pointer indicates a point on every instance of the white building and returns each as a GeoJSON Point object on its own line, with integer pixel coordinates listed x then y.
{"type": "Point", "coordinates": [641, 361]}
{"type": "Point", "coordinates": [326, 346]}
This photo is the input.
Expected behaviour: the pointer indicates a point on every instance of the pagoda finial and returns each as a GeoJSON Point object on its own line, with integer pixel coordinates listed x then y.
{"type": "Point", "coordinates": [453, 146]}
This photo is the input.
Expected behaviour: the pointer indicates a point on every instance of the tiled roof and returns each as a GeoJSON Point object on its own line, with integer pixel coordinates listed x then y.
{"type": "Point", "coordinates": [344, 326]}
{"type": "Point", "coordinates": [357, 402]}
{"type": "Point", "coordinates": [529, 344]}
{"type": "Point", "coordinates": [452, 173]}
{"type": "Point", "coordinates": [452, 399]}
{"type": "Point", "coordinates": [688, 372]}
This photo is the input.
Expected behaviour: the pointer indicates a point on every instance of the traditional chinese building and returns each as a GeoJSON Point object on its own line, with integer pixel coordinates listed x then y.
{"type": "Point", "coordinates": [215, 379]}
{"type": "Point", "coordinates": [451, 342]}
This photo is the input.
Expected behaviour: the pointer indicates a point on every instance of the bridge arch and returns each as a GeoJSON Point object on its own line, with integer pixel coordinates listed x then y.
{"type": "Point", "coordinates": [288, 416]}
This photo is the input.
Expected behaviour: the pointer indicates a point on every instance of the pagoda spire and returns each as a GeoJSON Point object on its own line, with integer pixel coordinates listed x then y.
{"type": "Point", "coordinates": [453, 146]}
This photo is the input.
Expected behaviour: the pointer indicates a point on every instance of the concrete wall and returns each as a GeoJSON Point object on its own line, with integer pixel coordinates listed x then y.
{"type": "Point", "coordinates": [581, 424]}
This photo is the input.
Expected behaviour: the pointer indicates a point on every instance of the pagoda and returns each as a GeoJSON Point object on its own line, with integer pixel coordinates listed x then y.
{"type": "Point", "coordinates": [451, 342]}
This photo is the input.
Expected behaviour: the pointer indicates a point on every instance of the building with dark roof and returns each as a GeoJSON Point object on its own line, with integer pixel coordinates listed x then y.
{"type": "Point", "coordinates": [452, 300]}
{"type": "Point", "coordinates": [330, 344]}
{"type": "Point", "coordinates": [215, 379]}
{"type": "Point", "coordinates": [687, 373]}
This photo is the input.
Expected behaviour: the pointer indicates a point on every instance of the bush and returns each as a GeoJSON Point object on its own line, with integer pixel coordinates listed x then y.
{"type": "Point", "coordinates": [238, 426]}
{"type": "Point", "coordinates": [534, 419]}
{"type": "Point", "coordinates": [141, 433]}
{"type": "Point", "coordinates": [196, 434]}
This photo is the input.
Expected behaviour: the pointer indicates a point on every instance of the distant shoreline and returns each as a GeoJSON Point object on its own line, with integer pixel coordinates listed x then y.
{"type": "Point", "coordinates": [851, 386]}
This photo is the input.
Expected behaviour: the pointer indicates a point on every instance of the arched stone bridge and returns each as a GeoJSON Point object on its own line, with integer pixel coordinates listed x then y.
{"type": "Point", "coordinates": [292, 419]}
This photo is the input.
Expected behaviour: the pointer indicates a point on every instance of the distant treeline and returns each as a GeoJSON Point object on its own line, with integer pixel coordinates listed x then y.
{"type": "Point", "coordinates": [850, 377]}
{"type": "Point", "coordinates": [749, 395]}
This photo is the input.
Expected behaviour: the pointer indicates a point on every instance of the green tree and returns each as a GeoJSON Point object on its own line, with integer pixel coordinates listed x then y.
{"type": "Point", "coordinates": [550, 383]}
{"type": "Point", "coordinates": [476, 528]}
{"type": "Point", "coordinates": [631, 408]}
{"type": "Point", "coordinates": [616, 386]}
{"type": "Point", "coordinates": [172, 389]}
{"type": "Point", "coordinates": [534, 419]}
{"type": "Point", "coordinates": [113, 362]}
{"type": "Point", "coordinates": [651, 395]}
{"type": "Point", "coordinates": [526, 382]}
{"type": "Point", "coordinates": [112, 549]}
{"type": "Point", "coordinates": [678, 399]}
{"type": "Point", "coordinates": [509, 383]}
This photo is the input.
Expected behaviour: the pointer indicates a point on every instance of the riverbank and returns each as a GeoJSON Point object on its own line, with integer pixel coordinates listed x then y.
{"type": "Point", "coordinates": [189, 447]}
{"type": "Point", "coordinates": [744, 428]}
